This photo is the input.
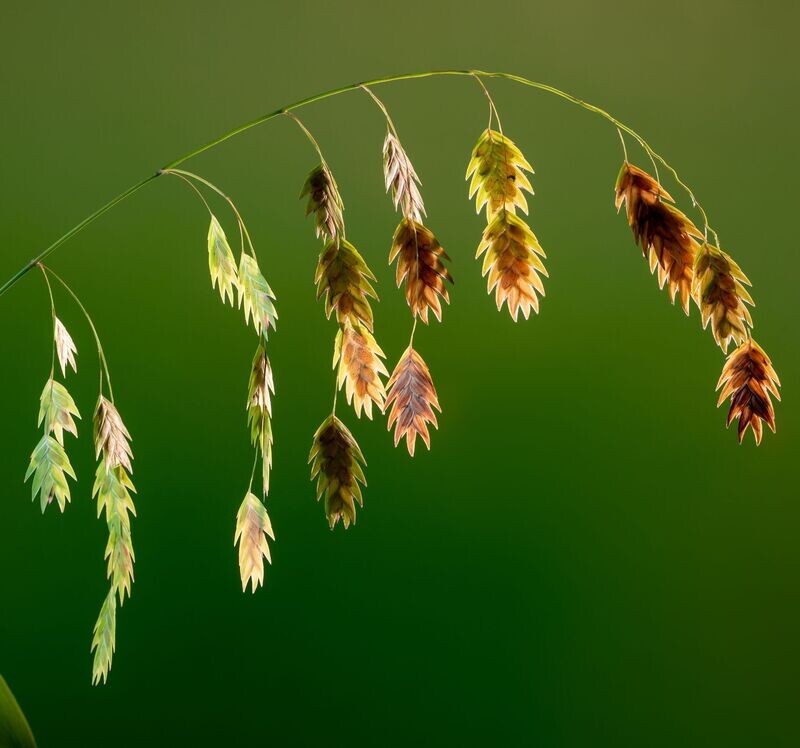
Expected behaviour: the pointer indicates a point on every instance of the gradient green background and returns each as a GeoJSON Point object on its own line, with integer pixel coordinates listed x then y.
{"type": "Point", "coordinates": [585, 558]}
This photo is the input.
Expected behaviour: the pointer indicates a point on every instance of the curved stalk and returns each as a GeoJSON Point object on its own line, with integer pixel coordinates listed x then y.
{"type": "Point", "coordinates": [91, 218]}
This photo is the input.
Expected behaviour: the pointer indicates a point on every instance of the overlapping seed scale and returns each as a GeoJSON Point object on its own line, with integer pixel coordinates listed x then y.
{"type": "Point", "coordinates": [749, 379]}
{"type": "Point", "coordinates": [358, 356]}
{"type": "Point", "coordinates": [412, 398]}
{"type": "Point", "coordinates": [345, 280]}
{"type": "Point", "coordinates": [497, 168]}
{"type": "Point", "coordinates": [336, 463]}
{"type": "Point", "coordinates": [513, 264]}
{"type": "Point", "coordinates": [420, 264]}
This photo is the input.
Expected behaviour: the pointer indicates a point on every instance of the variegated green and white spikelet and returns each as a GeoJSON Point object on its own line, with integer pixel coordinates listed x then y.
{"type": "Point", "coordinates": [221, 263]}
{"type": "Point", "coordinates": [253, 527]}
{"type": "Point", "coordinates": [65, 348]}
{"type": "Point", "coordinates": [255, 295]}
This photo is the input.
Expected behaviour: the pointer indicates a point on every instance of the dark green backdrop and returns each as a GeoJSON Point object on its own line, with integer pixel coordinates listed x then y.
{"type": "Point", "coordinates": [585, 558]}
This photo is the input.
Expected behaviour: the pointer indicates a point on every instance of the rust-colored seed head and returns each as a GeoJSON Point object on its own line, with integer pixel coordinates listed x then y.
{"type": "Point", "coordinates": [412, 398]}
{"type": "Point", "coordinates": [345, 280]}
{"type": "Point", "coordinates": [420, 264]}
{"type": "Point", "coordinates": [719, 289]}
{"type": "Point", "coordinates": [360, 367]}
{"type": "Point", "coordinates": [336, 463]}
{"type": "Point", "coordinates": [513, 264]}
{"type": "Point", "coordinates": [748, 378]}
{"type": "Point", "coordinates": [667, 237]}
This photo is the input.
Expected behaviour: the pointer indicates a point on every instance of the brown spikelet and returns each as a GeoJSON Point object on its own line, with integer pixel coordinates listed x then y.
{"type": "Point", "coordinates": [412, 398]}
{"type": "Point", "coordinates": [748, 378]}
{"type": "Point", "coordinates": [497, 168]}
{"type": "Point", "coordinates": [336, 461]}
{"type": "Point", "coordinates": [325, 202]}
{"type": "Point", "coordinates": [719, 289]}
{"type": "Point", "coordinates": [360, 367]}
{"type": "Point", "coordinates": [111, 437]}
{"type": "Point", "coordinates": [513, 264]}
{"type": "Point", "coordinates": [420, 264]}
{"type": "Point", "coordinates": [667, 237]}
{"type": "Point", "coordinates": [401, 179]}
{"type": "Point", "coordinates": [346, 282]}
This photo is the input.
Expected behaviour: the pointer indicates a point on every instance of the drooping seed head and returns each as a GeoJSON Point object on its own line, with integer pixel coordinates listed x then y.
{"type": "Point", "coordinates": [667, 237]}
{"type": "Point", "coordinates": [401, 179]}
{"type": "Point", "coordinates": [111, 438]}
{"type": "Point", "coordinates": [412, 398]}
{"type": "Point", "coordinates": [513, 264]}
{"type": "Point", "coordinates": [345, 280]}
{"type": "Point", "coordinates": [749, 379]}
{"type": "Point", "coordinates": [358, 356]}
{"type": "Point", "coordinates": [336, 461]}
{"type": "Point", "coordinates": [719, 287]}
{"type": "Point", "coordinates": [65, 348]}
{"type": "Point", "coordinates": [253, 527]}
{"type": "Point", "coordinates": [325, 202]}
{"type": "Point", "coordinates": [497, 168]}
{"type": "Point", "coordinates": [420, 264]}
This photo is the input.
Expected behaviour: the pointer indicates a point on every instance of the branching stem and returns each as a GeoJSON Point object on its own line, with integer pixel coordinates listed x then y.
{"type": "Point", "coordinates": [478, 74]}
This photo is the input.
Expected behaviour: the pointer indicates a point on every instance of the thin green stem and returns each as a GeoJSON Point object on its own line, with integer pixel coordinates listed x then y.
{"type": "Point", "coordinates": [91, 218]}
{"type": "Point", "coordinates": [383, 108]}
{"type": "Point", "coordinates": [310, 137]}
{"type": "Point", "coordinates": [492, 107]}
{"type": "Point", "coordinates": [194, 187]}
{"type": "Point", "coordinates": [100, 353]}
{"type": "Point", "coordinates": [210, 185]}
{"type": "Point", "coordinates": [53, 315]}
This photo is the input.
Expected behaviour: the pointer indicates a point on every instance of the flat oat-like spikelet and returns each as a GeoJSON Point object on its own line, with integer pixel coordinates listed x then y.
{"type": "Point", "coordinates": [65, 347]}
{"type": "Point", "coordinates": [111, 437]}
{"type": "Point", "coordinates": [748, 378]}
{"type": "Point", "coordinates": [56, 410]}
{"type": "Point", "coordinates": [253, 527]}
{"type": "Point", "coordinates": [221, 263]}
{"type": "Point", "coordinates": [50, 467]}
{"type": "Point", "coordinates": [412, 398]}
{"type": "Point", "coordinates": [336, 461]}
{"type": "Point", "coordinates": [104, 638]}
{"type": "Point", "coordinates": [360, 367]}
{"type": "Point", "coordinates": [719, 289]}
{"type": "Point", "coordinates": [497, 168]}
{"type": "Point", "coordinates": [402, 179]}
{"type": "Point", "coordinates": [667, 237]}
{"type": "Point", "coordinates": [325, 202]}
{"type": "Point", "coordinates": [259, 410]}
{"type": "Point", "coordinates": [256, 296]}
{"type": "Point", "coordinates": [346, 282]}
{"type": "Point", "coordinates": [112, 489]}
{"type": "Point", "coordinates": [420, 264]}
{"type": "Point", "coordinates": [513, 264]}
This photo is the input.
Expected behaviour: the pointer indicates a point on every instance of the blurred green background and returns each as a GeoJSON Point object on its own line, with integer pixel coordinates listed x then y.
{"type": "Point", "coordinates": [586, 557]}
